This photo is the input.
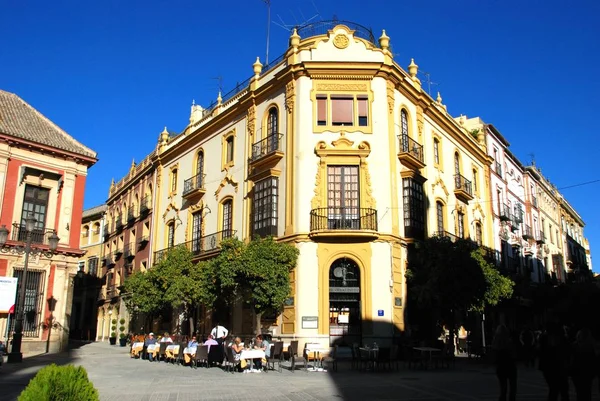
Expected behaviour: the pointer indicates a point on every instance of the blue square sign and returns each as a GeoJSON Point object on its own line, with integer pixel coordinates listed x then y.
{"type": "Point", "coordinates": [380, 312]}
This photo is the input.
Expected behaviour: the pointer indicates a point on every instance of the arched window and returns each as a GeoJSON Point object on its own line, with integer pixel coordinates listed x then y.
{"type": "Point", "coordinates": [478, 234]}
{"type": "Point", "coordinates": [272, 122]}
{"type": "Point", "coordinates": [227, 213]}
{"type": "Point", "coordinates": [404, 122]}
{"type": "Point", "coordinates": [171, 234]}
{"type": "Point", "coordinates": [200, 164]}
{"type": "Point", "coordinates": [86, 231]}
{"type": "Point", "coordinates": [456, 163]}
{"type": "Point", "coordinates": [96, 228]}
{"type": "Point", "coordinates": [439, 207]}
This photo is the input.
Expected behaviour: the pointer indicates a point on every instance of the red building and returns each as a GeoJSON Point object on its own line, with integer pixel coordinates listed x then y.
{"type": "Point", "coordinates": [42, 174]}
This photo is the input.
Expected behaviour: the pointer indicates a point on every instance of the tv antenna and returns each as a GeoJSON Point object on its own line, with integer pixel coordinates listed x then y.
{"type": "Point", "coordinates": [289, 27]}
{"type": "Point", "coordinates": [532, 157]}
{"type": "Point", "coordinates": [428, 81]}
{"type": "Point", "coordinates": [268, 3]}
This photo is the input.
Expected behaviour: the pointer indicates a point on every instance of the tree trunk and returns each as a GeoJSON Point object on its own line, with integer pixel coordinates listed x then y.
{"type": "Point", "coordinates": [190, 315]}
{"type": "Point", "coordinates": [257, 326]}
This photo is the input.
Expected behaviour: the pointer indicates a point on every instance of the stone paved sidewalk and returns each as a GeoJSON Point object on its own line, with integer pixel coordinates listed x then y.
{"type": "Point", "coordinates": [119, 377]}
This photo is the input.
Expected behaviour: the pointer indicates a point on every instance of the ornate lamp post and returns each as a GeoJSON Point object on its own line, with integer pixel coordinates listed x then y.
{"type": "Point", "coordinates": [16, 355]}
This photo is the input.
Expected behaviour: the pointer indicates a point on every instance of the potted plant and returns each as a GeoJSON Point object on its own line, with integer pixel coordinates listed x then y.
{"type": "Point", "coordinates": [113, 332]}
{"type": "Point", "coordinates": [122, 335]}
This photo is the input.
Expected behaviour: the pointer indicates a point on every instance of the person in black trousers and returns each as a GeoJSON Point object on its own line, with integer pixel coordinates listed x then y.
{"type": "Point", "coordinates": [506, 364]}
{"type": "Point", "coordinates": [554, 361]}
{"type": "Point", "coordinates": [583, 365]}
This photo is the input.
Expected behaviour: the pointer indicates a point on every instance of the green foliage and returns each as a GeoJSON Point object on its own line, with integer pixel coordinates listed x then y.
{"type": "Point", "coordinates": [60, 383]}
{"type": "Point", "coordinates": [144, 292]}
{"type": "Point", "coordinates": [452, 278]}
{"type": "Point", "coordinates": [258, 271]}
{"type": "Point", "coordinates": [122, 321]}
{"type": "Point", "coordinates": [114, 322]}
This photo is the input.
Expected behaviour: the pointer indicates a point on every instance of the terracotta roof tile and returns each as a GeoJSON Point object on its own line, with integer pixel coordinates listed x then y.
{"type": "Point", "coordinates": [20, 120]}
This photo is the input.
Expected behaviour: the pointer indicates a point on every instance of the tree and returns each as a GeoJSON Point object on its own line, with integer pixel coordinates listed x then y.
{"type": "Point", "coordinates": [451, 278]}
{"type": "Point", "coordinates": [141, 291]}
{"type": "Point", "coordinates": [257, 272]}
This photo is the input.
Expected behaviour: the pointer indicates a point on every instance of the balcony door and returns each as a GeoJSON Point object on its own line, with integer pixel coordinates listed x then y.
{"type": "Point", "coordinates": [343, 197]}
{"type": "Point", "coordinates": [197, 233]}
{"type": "Point", "coordinates": [35, 202]}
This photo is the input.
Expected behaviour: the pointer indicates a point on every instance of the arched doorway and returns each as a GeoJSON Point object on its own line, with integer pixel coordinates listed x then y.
{"type": "Point", "coordinates": [344, 303]}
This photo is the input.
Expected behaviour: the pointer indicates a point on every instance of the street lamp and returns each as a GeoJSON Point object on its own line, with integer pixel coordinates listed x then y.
{"type": "Point", "coordinates": [16, 355]}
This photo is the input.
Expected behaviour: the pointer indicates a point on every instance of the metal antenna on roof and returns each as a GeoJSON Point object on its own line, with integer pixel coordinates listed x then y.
{"type": "Point", "coordinates": [268, 3]}
{"type": "Point", "coordinates": [219, 79]}
{"type": "Point", "coordinates": [428, 80]}
{"type": "Point", "coordinates": [289, 27]}
{"type": "Point", "coordinates": [532, 156]}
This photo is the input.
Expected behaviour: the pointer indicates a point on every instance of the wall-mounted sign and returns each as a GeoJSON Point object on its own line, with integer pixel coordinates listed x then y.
{"type": "Point", "coordinates": [8, 293]}
{"type": "Point", "coordinates": [310, 322]}
{"type": "Point", "coordinates": [380, 312]}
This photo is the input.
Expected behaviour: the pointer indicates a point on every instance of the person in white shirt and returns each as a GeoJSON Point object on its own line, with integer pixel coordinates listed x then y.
{"type": "Point", "coordinates": [166, 339]}
{"type": "Point", "coordinates": [219, 333]}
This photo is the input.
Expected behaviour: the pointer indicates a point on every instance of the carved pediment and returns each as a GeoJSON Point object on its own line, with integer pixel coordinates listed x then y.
{"type": "Point", "coordinates": [227, 180]}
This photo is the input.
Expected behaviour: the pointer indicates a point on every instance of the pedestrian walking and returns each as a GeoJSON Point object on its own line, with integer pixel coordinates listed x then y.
{"type": "Point", "coordinates": [554, 361]}
{"type": "Point", "coordinates": [506, 365]}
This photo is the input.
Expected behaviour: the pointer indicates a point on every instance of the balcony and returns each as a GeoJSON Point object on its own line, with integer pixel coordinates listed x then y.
{"type": "Point", "coordinates": [109, 262]}
{"type": "Point", "coordinates": [129, 252]}
{"type": "Point", "coordinates": [527, 232]}
{"type": "Point", "coordinates": [143, 241]}
{"type": "Point", "coordinates": [112, 292]}
{"type": "Point", "coordinates": [517, 217]}
{"type": "Point", "coordinates": [39, 236]}
{"type": "Point", "coordinates": [208, 243]}
{"type": "Point", "coordinates": [446, 234]}
{"type": "Point", "coordinates": [534, 201]}
{"type": "Point", "coordinates": [193, 186]}
{"type": "Point", "coordinates": [144, 208]}
{"type": "Point", "coordinates": [411, 153]}
{"type": "Point", "coordinates": [118, 253]}
{"type": "Point", "coordinates": [505, 213]}
{"type": "Point", "coordinates": [463, 188]}
{"type": "Point", "coordinates": [106, 232]}
{"type": "Point", "coordinates": [119, 223]}
{"type": "Point", "coordinates": [498, 169]}
{"type": "Point", "coordinates": [512, 264]}
{"type": "Point", "coordinates": [101, 297]}
{"type": "Point", "coordinates": [267, 149]}
{"type": "Point", "coordinates": [130, 215]}
{"type": "Point", "coordinates": [540, 237]}
{"type": "Point", "coordinates": [343, 221]}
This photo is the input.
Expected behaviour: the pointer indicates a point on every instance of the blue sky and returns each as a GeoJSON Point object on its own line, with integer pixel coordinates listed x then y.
{"type": "Point", "coordinates": [114, 73]}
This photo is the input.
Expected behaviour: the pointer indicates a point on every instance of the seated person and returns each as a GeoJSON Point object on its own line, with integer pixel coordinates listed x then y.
{"type": "Point", "coordinates": [190, 351]}
{"type": "Point", "coordinates": [210, 341]}
{"type": "Point", "coordinates": [261, 344]}
{"type": "Point", "coordinates": [215, 351]}
{"type": "Point", "coordinates": [151, 346]}
{"type": "Point", "coordinates": [166, 339]}
{"type": "Point", "coordinates": [137, 345]}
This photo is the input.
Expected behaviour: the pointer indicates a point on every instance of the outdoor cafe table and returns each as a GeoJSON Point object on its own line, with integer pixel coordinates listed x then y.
{"type": "Point", "coordinates": [136, 348]}
{"type": "Point", "coordinates": [316, 349]}
{"type": "Point", "coordinates": [429, 350]}
{"type": "Point", "coordinates": [250, 354]}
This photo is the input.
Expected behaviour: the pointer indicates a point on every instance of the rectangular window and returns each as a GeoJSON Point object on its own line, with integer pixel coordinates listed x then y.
{"type": "Point", "coordinates": [34, 301]}
{"type": "Point", "coordinates": [343, 198]}
{"type": "Point", "coordinates": [474, 181]}
{"type": "Point", "coordinates": [342, 113]}
{"type": "Point", "coordinates": [174, 180]}
{"type": "Point", "coordinates": [363, 107]}
{"type": "Point", "coordinates": [229, 155]}
{"type": "Point", "coordinates": [551, 236]}
{"type": "Point", "coordinates": [264, 213]}
{"type": "Point", "coordinates": [321, 110]}
{"type": "Point", "coordinates": [93, 266]}
{"type": "Point", "coordinates": [558, 240]}
{"type": "Point", "coordinates": [436, 151]}
{"type": "Point", "coordinates": [478, 234]}
{"type": "Point", "coordinates": [461, 225]}
{"type": "Point", "coordinates": [342, 110]}
{"type": "Point", "coordinates": [35, 203]}
{"type": "Point", "coordinates": [414, 211]}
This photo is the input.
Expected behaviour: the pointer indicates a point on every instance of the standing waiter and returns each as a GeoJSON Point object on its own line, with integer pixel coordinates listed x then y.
{"type": "Point", "coordinates": [219, 333]}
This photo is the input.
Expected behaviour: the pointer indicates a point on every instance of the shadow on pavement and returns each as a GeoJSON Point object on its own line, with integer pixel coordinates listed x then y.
{"type": "Point", "coordinates": [14, 377]}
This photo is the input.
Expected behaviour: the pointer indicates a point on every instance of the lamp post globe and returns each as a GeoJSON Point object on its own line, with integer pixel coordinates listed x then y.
{"type": "Point", "coordinates": [30, 223]}
{"type": "Point", "coordinates": [53, 240]}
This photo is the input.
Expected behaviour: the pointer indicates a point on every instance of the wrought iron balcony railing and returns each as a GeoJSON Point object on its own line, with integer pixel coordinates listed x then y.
{"type": "Point", "coordinates": [409, 145]}
{"type": "Point", "coordinates": [505, 212]}
{"type": "Point", "coordinates": [527, 232]}
{"type": "Point", "coordinates": [129, 251]}
{"type": "Point", "coordinates": [119, 222]}
{"type": "Point", "coordinates": [463, 188]}
{"type": "Point", "coordinates": [540, 237]}
{"type": "Point", "coordinates": [446, 234]}
{"type": "Point", "coordinates": [200, 245]}
{"type": "Point", "coordinates": [534, 201]}
{"type": "Point", "coordinates": [192, 184]}
{"type": "Point", "coordinates": [144, 205]}
{"type": "Point", "coordinates": [343, 218]}
{"type": "Point", "coordinates": [323, 27]}
{"type": "Point", "coordinates": [38, 235]}
{"type": "Point", "coordinates": [268, 145]}
{"type": "Point", "coordinates": [130, 215]}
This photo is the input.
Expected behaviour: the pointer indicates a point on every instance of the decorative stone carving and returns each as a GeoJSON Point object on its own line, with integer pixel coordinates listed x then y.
{"type": "Point", "coordinates": [390, 97]}
{"type": "Point", "coordinates": [290, 92]}
{"type": "Point", "coordinates": [316, 200]}
{"type": "Point", "coordinates": [420, 122]}
{"type": "Point", "coordinates": [251, 120]}
{"type": "Point", "coordinates": [341, 41]}
{"type": "Point", "coordinates": [342, 87]}
{"type": "Point", "coordinates": [369, 199]}
{"type": "Point", "coordinates": [441, 184]}
{"type": "Point", "coordinates": [227, 180]}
